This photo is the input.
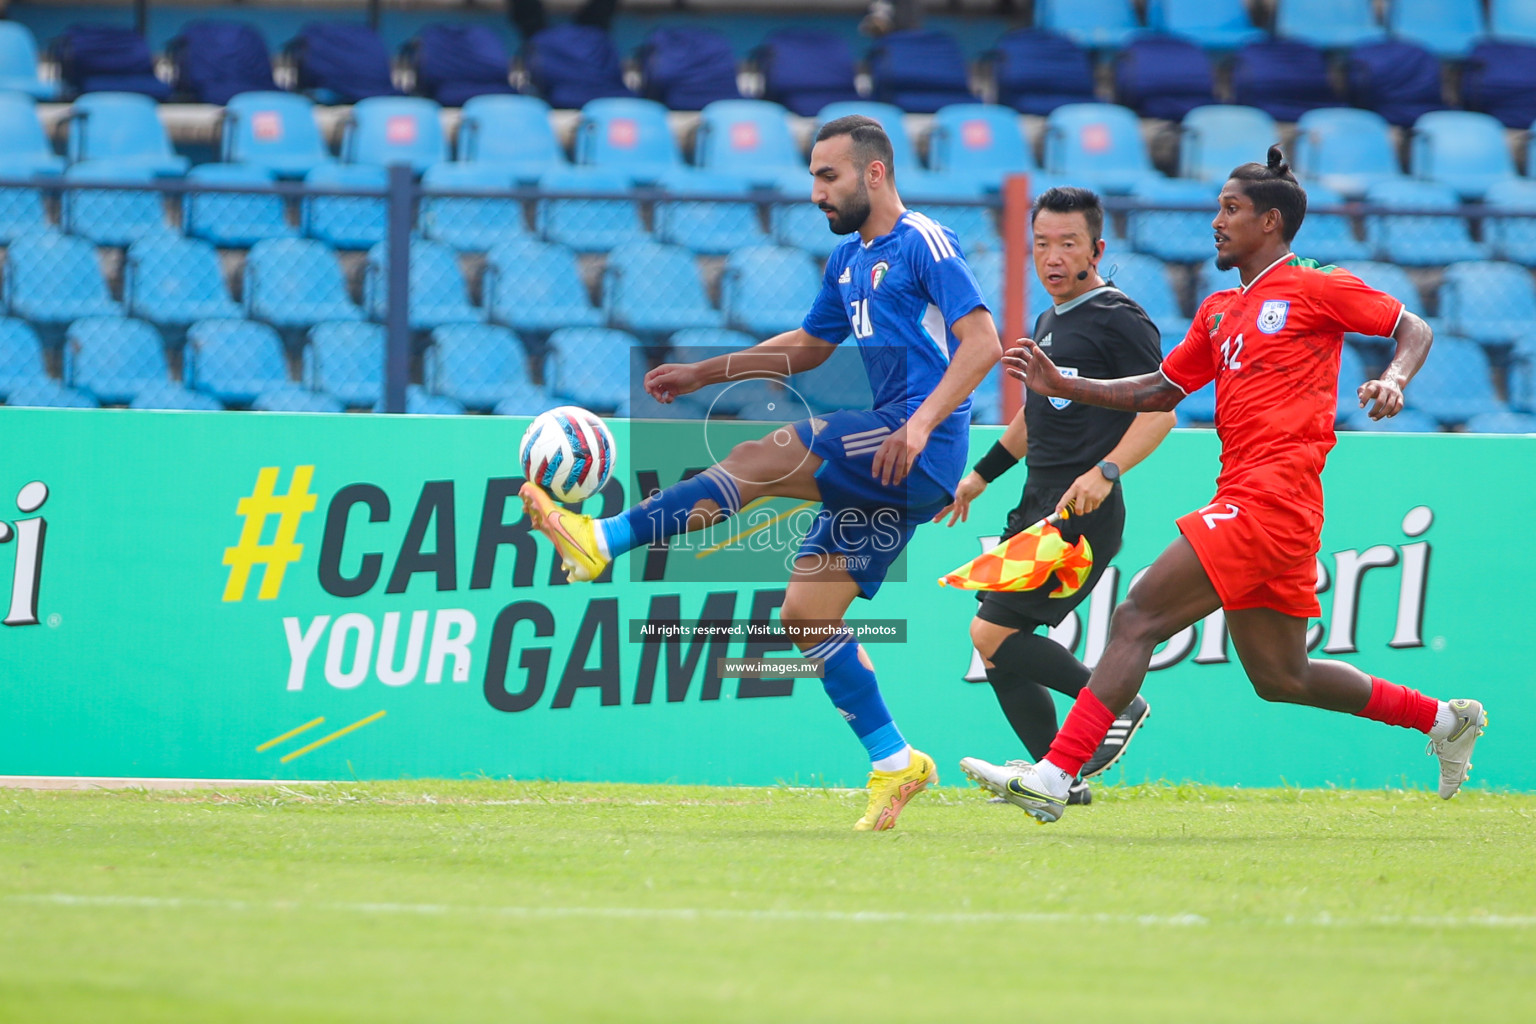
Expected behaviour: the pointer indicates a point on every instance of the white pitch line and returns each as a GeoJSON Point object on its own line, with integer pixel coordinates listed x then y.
{"type": "Point", "coordinates": [1516, 921]}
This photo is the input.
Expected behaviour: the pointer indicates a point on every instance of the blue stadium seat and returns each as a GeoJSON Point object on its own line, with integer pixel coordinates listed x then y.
{"type": "Point", "coordinates": [123, 128]}
{"type": "Point", "coordinates": [346, 222]}
{"type": "Point", "coordinates": [511, 133]}
{"type": "Point", "coordinates": [1328, 237]}
{"type": "Point", "coordinates": [173, 396]}
{"type": "Point", "coordinates": [1097, 24]}
{"type": "Point", "coordinates": [1346, 150]}
{"type": "Point", "coordinates": [1418, 239]}
{"type": "Point", "coordinates": [21, 211]}
{"type": "Point", "coordinates": [233, 219]}
{"type": "Point", "coordinates": [1490, 303]}
{"type": "Point", "coordinates": [988, 269]}
{"type": "Point", "coordinates": [534, 287]}
{"type": "Point", "coordinates": [24, 148]}
{"type": "Point", "coordinates": [346, 359]}
{"type": "Point", "coordinates": [470, 223]}
{"type": "Point", "coordinates": [652, 289]}
{"type": "Point", "coordinates": [529, 401]}
{"type": "Point", "coordinates": [51, 279]}
{"type": "Point", "coordinates": [455, 63]}
{"type": "Point", "coordinates": [274, 130]}
{"type": "Point", "coordinates": [919, 71]}
{"type": "Point", "coordinates": [1179, 236]}
{"type": "Point", "coordinates": [1502, 423]}
{"type": "Point", "coordinates": [1163, 76]}
{"type": "Point", "coordinates": [1038, 71]}
{"type": "Point", "coordinates": [98, 58]}
{"type": "Point", "coordinates": [572, 65]}
{"type": "Point", "coordinates": [173, 282]}
{"type": "Point", "coordinates": [438, 292]}
{"type": "Point", "coordinates": [295, 282]}
{"type": "Point", "coordinates": [340, 62]}
{"type": "Point", "coordinates": [766, 290]}
{"type": "Point", "coordinates": [749, 139]}
{"type": "Point", "coordinates": [764, 400]}
{"type": "Point", "coordinates": [1216, 138]}
{"type": "Point", "coordinates": [49, 394]}
{"type": "Point", "coordinates": [1098, 143]}
{"type": "Point", "coordinates": [1214, 24]}
{"type": "Point", "coordinates": [18, 63]}
{"type": "Point", "coordinates": [793, 220]}
{"type": "Point", "coordinates": [805, 70]}
{"type": "Point", "coordinates": [481, 366]}
{"type": "Point", "coordinates": [1351, 375]}
{"type": "Point", "coordinates": [1396, 79]}
{"type": "Point", "coordinates": [1333, 24]}
{"type": "Point", "coordinates": [214, 60]}
{"type": "Point", "coordinates": [982, 141]}
{"type": "Point", "coordinates": [421, 402]}
{"type": "Point", "coordinates": [842, 382]}
{"type": "Point", "coordinates": [1282, 77]}
{"type": "Point", "coordinates": [949, 199]}
{"type": "Point", "coordinates": [702, 225]}
{"type": "Point", "coordinates": [1447, 28]}
{"type": "Point", "coordinates": [1514, 237]}
{"type": "Point", "coordinates": [1198, 407]}
{"type": "Point", "coordinates": [1500, 79]}
{"type": "Point", "coordinates": [1460, 149]}
{"type": "Point", "coordinates": [292, 398]}
{"type": "Point", "coordinates": [687, 67]}
{"type": "Point", "coordinates": [384, 130]}
{"type": "Point", "coordinates": [903, 153]}
{"type": "Point", "coordinates": [114, 358]}
{"type": "Point", "coordinates": [586, 224]}
{"type": "Point", "coordinates": [1395, 282]}
{"type": "Point", "coordinates": [1522, 386]}
{"type": "Point", "coordinates": [1145, 279]}
{"type": "Point", "coordinates": [235, 360]}
{"type": "Point", "coordinates": [111, 216]}
{"type": "Point", "coordinates": [629, 136]}
{"type": "Point", "coordinates": [595, 367]}
{"type": "Point", "coordinates": [1409, 421]}
{"type": "Point", "coordinates": [1454, 384]}
{"type": "Point", "coordinates": [697, 343]}
{"type": "Point", "coordinates": [1512, 20]}
{"type": "Point", "coordinates": [21, 356]}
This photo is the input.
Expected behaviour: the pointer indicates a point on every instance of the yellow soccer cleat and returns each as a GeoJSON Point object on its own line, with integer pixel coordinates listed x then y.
{"type": "Point", "coordinates": [890, 791]}
{"type": "Point", "coordinates": [573, 535]}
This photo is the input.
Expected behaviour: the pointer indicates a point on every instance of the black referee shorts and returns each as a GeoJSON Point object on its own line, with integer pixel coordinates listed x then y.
{"type": "Point", "coordinates": [1028, 609]}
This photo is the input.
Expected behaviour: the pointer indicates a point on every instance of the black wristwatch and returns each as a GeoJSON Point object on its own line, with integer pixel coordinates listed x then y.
{"type": "Point", "coordinates": [1110, 470]}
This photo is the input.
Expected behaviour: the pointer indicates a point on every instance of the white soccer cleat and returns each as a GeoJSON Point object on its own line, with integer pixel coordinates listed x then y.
{"type": "Point", "coordinates": [1018, 783]}
{"type": "Point", "coordinates": [1455, 751]}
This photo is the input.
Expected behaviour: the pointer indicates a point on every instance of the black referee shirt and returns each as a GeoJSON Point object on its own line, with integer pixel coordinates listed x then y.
{"type": "Point", "coordinates": [1102, 334]}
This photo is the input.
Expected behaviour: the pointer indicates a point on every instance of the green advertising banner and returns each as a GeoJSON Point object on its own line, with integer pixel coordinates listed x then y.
{"type": "Point", "coordinates": [333, 597]}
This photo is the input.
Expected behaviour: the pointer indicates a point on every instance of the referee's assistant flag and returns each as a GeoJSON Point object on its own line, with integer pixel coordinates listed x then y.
{"type": "Point", "coordinates": [1027, 560]}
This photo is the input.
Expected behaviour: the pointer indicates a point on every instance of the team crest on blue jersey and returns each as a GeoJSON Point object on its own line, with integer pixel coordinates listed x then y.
{"type": "Point", "coordinates": [877, 274]}
{"type": "Point", "coordinates": [1066, 371]}
{"type": "Point", "coordinates": [1272, 315]}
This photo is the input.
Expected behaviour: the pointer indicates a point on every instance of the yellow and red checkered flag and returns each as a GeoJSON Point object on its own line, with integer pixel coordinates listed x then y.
{"type": "Point", "coordinates": [1028, 560]}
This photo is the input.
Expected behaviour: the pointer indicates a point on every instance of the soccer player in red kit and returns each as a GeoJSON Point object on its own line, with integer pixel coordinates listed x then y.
{"type": "Point", "coordinates": [1272, 346]}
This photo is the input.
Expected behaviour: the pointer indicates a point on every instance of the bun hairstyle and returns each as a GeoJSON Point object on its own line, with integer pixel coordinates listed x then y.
{"type": "Point", "coordinates": [1273, 186]}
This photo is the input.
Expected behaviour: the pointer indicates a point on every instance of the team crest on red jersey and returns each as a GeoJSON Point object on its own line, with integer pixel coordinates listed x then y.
{"type": "Point", "coordinates": [1272, 315]}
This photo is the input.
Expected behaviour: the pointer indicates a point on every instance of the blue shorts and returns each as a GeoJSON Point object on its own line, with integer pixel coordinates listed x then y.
{"type": "Point", "coordinates": [863, 523]}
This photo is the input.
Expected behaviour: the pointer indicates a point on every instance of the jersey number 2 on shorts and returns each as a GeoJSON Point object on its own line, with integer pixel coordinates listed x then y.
{"type": "Point", "coordinates": [1231, 349]}
{"type": "Point", "coordinates": [1212, 518]}
{"type": "Point", "coordinates": [859, 317]}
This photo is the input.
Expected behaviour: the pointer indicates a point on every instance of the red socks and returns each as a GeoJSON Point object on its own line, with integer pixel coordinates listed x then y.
{"type": "Point", "coordinates": [1085, 728]}
{"type": "Point", "coordinates": [1399, 705]}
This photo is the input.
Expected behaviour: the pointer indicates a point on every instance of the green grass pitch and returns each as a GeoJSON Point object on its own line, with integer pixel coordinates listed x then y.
{"type": "Point", "coordinates": [521, 902]}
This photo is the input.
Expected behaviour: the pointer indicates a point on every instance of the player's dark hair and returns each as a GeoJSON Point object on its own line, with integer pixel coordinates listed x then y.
{"type": "Point", "coordinates": [1272, 186]}
{"type": "Point", "coordinates": [1071, 199]}
{"type": "Point", "coordinates": [870, 143]}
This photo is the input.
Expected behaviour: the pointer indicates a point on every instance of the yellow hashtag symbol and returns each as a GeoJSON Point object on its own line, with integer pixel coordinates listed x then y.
{"type": "Point", "coordinates": [275, 557]}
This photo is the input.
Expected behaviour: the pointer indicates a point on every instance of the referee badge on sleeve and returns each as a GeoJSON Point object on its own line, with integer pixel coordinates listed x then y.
{"type": "Point", "coordinates": [1066, 371]}
{"type": "Point", "coordinates": [1272, 315]}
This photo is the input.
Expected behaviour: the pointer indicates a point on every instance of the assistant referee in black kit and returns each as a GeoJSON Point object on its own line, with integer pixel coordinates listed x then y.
{"type": "Point", "coordinates": [1075, 455]}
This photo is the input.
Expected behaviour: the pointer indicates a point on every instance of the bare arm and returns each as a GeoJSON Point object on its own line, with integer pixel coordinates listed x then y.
{"type": "Point", "coordinates": [788, 353]}
{"type": "Point", "coordinates": [1144, 434]}
{"type": "Point", "coordinates": [1413, 337]}
{"type": "Point", "coordinates": [1149, 392]}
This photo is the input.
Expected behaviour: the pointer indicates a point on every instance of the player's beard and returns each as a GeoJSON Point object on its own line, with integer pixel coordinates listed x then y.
{"type": "Point", "coordinates": [1224, 259]}
{"type": "Point", "coordinates": [849, 218]}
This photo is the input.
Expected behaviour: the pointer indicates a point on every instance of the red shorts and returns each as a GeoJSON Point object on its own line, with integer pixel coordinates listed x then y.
{"type": "Point", "coordinates": [1258, 556]}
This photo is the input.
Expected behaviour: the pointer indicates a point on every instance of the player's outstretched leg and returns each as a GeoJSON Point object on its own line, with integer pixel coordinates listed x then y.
{"type": "Point", "coordinates": [816, 600]}
{"type": "Point", "coordinates": [1272, 647]}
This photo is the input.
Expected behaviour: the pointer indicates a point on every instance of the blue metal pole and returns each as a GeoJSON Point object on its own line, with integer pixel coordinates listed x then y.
{"type": "Point", "coordinates": [397, 325]}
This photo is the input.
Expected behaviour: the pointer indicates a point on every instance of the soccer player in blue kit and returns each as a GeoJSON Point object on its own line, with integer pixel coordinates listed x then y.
{"type": "Point", "coordinates": [900, 286]}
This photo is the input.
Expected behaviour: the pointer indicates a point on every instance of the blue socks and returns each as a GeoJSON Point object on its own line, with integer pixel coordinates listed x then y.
{"type": "Point", "coordinates": [856, 695]}
{"type": "Point", "coordinates": [666, 514]}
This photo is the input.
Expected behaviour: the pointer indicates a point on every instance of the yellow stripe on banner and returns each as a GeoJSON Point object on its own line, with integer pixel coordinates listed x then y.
{"type": "Point", "coordinates": [290, 734]}
{"type": "Point", "coordinates": [760, 526]}
{"type": "Point", "coordinates": [338, 734]}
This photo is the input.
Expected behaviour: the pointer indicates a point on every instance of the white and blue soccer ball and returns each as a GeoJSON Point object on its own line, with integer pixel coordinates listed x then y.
{"type": "Point", "coordinates": [569, 452]}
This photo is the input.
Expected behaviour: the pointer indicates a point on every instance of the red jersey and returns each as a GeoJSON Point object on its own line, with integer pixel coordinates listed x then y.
{"type": "Point", "coordinates": [1273, 349]}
